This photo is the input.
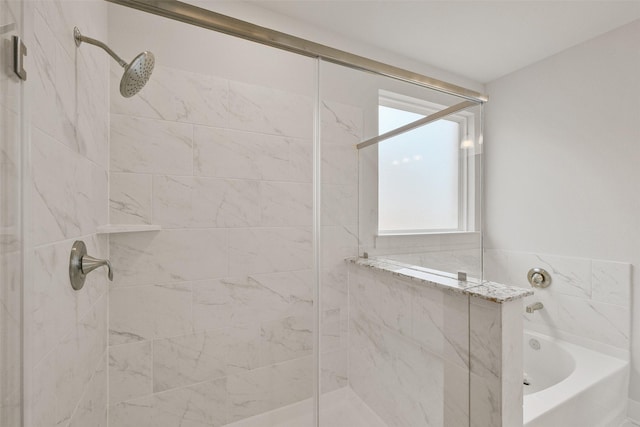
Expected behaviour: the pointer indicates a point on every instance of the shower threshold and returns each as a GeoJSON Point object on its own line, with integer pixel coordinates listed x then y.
{"type": "Point", "coordinates": [339, 408]}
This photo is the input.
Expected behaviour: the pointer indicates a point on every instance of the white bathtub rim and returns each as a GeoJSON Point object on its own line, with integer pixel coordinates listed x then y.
{"type": "Point", "coordinates": [588, 362]}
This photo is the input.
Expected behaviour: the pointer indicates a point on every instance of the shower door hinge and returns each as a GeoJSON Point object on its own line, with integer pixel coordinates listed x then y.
{"type": "Point", "coordinates": [19, 52]}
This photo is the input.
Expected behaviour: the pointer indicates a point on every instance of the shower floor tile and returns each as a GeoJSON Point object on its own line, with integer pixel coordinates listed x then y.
{"type": "Point", "coordinates": [340, 408]}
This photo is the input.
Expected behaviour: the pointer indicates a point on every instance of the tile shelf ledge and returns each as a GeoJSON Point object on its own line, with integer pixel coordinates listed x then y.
{"type": "Point", "coordinates": [126, 228]}
{"type": "Point", "coordinates": [490, 291]}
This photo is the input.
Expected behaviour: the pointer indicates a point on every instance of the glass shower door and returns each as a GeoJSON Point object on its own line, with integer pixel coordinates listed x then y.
{"type": "Point", "coordinates": [10, 221]}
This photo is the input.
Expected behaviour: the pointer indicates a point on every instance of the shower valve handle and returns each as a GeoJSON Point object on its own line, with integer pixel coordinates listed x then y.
{"type": "Point", "coordinates": [90, 263]}
{"type": "Point", "coordinates": [81, 264]}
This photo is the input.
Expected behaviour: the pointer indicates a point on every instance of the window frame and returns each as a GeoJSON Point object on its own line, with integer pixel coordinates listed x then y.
{"type": "Point", "coordinates": [466, 188]}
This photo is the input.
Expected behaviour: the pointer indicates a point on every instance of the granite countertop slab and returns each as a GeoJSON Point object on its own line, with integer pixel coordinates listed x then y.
{"type": "Point", "coordinates": [490, 291]}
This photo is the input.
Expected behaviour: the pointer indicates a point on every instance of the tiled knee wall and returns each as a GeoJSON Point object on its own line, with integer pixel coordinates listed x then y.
{"type": "Point", "coordinates": [211, 318]}
{"type": "Point", "coordinates": [420, 356]}
{"type": "Point", "coordinates": [588, 300]}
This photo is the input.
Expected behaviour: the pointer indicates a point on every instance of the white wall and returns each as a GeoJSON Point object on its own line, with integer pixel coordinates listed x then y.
{"type": "Point", "coordinates": [562, 152]}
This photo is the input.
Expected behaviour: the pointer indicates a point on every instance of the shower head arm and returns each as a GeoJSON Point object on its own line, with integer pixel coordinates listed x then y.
{"type": "Point", "coordinates": [79, 38]}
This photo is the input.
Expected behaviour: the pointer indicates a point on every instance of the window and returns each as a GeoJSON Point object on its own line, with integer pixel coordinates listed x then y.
{"type": "Point", "coordinates": [422, 174]}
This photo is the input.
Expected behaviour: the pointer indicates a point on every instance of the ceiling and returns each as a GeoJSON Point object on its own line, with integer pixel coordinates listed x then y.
{"type": "Point", "coordinates": [480, 40]}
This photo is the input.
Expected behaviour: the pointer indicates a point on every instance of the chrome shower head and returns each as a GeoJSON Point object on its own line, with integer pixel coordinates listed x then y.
{"type": "Point", "coordinates": [136, 74]}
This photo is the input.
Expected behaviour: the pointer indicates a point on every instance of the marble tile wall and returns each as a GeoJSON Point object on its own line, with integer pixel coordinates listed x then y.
{"type": "Point", "coordinates": [424, 356]}
{"type": "Point", "coordinates": [408, 350]}
{"type": "Point", "coordinates": [66, 330]}
{"type": "Point", "coordinates": [588, 300]}
{"type": "Point", "coordinates": [218, 305]}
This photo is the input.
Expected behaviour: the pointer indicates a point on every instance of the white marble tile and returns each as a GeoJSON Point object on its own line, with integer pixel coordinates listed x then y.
{"type": "Point", "coordinates": [92, 104]}
{"type": "Point", "coordinates": [393, 306]}
{"type": "Point", "coordinates": [53, 299]}
{"type": "Point", "coordinates": [151, 146]}
{"type": "Point", "coordinates": [68, 192]}
{"type": "Point", "coordinates": [485, 401]}
{"type": "Point", "coordinates": [341, 123]}
{"type": "Point", "coordinates": [267, 250]}
{"type": "Point", "coordinates": [64, 374]}
{"type": "Point", "coordinates": [92, 409]}
{"type": "Point", "coordinates": [338, 243]}
{"type": "Point", "coordinates": [292, 381]}
{"type": "Point", "coordinates": [455, 395]}
{"type": "Point", "coordinates": [569, 276]}
{"type": "Point", "coordinates": [334, 370]}
{"type": "Point", "coordinates": [331, 328]}
{"type": "Point", "coordinates": [130, 371]}
{"type": "Point", "coordinates": [271, 111]}
{"type": "Point", "coordinates": [149, 312]}
{"type": "Point", "coordinates": [227, 153]}
{"type": "Point", "coordinates": [339, 164]}
{"type": "Point", "coordinates": [286, 204]}
{"type": "Point", "coordinates": [250, 393]}
{"type": "Point", "coordinates": [339, 204]}
{"type": "Point", "coordinates": [287, 338]}
{"type": "Point", "coordinates": [485, 338]}
{"type": "Point", "coordinates": [187, 360]}
{"type": "Point", "coordinates": [168, 256]}
{"type": "Point", "coordinates": [184, 202]}
{"type": "Point", "coordinates": [598, 321]}
{"type": "Point", "coordinates": [441, 324]}
{"type": "Point", "coordinates": [129, 198]}
{"type": "Point", "coordinates": [134, 413]}
{"type": "Point", "coordinates": [45, 112]}
{"type": "Point", "coordinates": [512, 363]}
{"type": "Point", "coordinates": [611, 282]}
{"type": "Point", "coordinates": [177, 95]}
{"type": "Point", "coordinates": [245, 302]}
{"type": "Point", "coordinates": [201, 405]}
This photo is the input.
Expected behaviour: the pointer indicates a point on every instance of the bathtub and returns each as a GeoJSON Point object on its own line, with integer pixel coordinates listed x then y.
{"type": "Point", "coordinates": [571, 386]}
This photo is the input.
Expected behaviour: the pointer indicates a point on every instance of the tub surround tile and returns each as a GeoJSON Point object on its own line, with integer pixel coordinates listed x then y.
{"type": "Point", "coordinates": [587, 301]}
{"type": "Point", "coordinates": [610, 282]}
{"type": "Point", "coordinates": [601, 322]}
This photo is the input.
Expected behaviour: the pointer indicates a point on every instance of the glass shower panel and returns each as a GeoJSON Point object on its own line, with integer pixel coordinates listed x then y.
{"type": "Point", "coordinates": [222, 138]}
{"type": "Point", "coordinates": [11, 241]}
{"type": "Point", "coordinates": [394, 351]}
